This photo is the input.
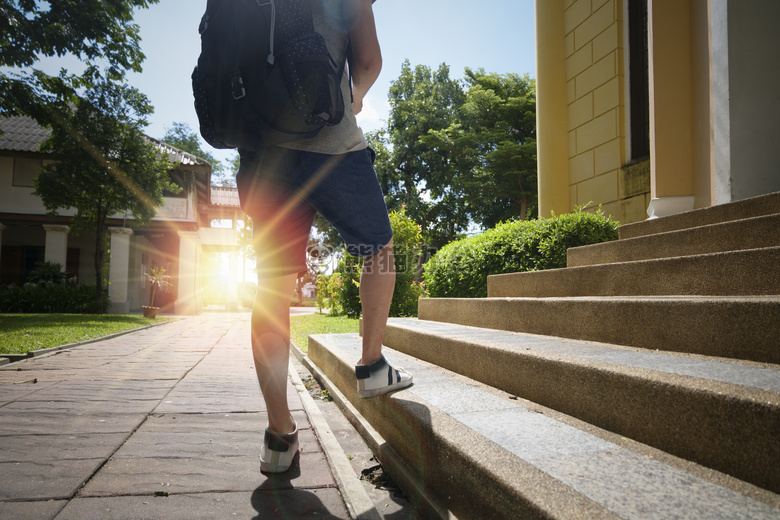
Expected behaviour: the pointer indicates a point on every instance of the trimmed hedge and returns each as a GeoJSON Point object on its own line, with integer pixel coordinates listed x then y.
{"type": "Point", "coordinates": [49, 297]}
{"type": "Point", "coordinates": [460, 269]}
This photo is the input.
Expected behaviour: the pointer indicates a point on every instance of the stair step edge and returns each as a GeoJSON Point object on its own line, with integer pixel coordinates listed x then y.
{"type": "Point", "coordinates": [767, 204]}
{"type": "Point", "coordinates": [734, 327]}
{"type": "Point", "coordinates": [701, 274]}
{"type": "Point", "coordinates": [458, 425]}
{"type": "Point", "coordinates": [711, 238]}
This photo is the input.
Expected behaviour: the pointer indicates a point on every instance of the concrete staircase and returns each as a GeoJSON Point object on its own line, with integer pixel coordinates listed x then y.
{"type": "Point", "coordinates": [642, 381]}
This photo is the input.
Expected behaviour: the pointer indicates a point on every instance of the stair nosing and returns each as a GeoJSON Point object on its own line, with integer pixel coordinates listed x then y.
{"type": "Point", "coordinates": [460, 333]}
{"type": "Point", "coordinates": [675, 234]}
{"type": "Point", "coordinates": [548, 458]}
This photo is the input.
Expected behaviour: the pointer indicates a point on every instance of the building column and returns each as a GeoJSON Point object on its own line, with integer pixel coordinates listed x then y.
{"type": "Point", "coordinates": [232, 289]}
{"type": "Point", "coordinates": [671, 112]}
{"type": "Point", "coordinates": [119, 276]}
{"type": "Point", "coordinates": [552, 143]}
{"type": "Point", "coordinates": [56, 250]}
{"type": "Point", "coordinates": [188, 298]}
{"type": "Point", "coordinates": [2, 227]}
{"type": "Point", "coordinates": [746, 111]}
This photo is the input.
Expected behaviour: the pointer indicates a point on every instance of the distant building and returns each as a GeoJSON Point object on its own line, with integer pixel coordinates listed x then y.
{"type": "Point", "coordinates": [176, 238]}
{"type": "Point", "coordinates": [654, 107]}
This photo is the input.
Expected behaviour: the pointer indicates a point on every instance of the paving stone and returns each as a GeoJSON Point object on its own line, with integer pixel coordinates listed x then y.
{"type": "Point", "coordinates": [21, 422]}
{"type": "Point", "coordinates": [189, 436]}
{"type": "Point", "coordinates": [121, 391]}
{"type": "Point", "coordinates": [215, 397]}
{"type": "Point", "coordinates": [202, 475]}
{"type": "Point", "coordinates": [264, 503]}
{"type": "Point", "coordinates": [31, 448]}
{"type": "Point", "coordinates": [45, 480]}
{"type": "Point", "coordinates": [10, 392]}
{"type": "Point", "coordinates": [85, 407]}
{"type": "Point", "coordinates": [38, 510]}
{"type": "Point", "coordinates": [22, 372]}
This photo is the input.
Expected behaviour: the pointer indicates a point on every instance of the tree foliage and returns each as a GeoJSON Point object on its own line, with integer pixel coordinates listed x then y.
{"type": "Point", "coordinates": [103, 166]}
{"type": "Point", "coordinates": [417, 175]}
{"type": "Point", "coordinates": [458, 152]}
{"type": "Point", "coordinates": [100, 34]}
{"type": "Point", "coordinates": [181, 136]}
{"type": "Point", "coordinates": [494, 139]}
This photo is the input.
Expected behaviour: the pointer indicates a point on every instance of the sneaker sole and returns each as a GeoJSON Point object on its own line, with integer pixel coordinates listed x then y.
{"type": "Point", "coordinates": [367, 394]}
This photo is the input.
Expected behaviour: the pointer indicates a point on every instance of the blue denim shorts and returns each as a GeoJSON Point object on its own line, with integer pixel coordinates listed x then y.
{"type": "Point", "coordinates": [282, 190]}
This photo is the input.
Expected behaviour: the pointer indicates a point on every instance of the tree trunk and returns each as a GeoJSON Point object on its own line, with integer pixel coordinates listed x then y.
{"type": "Point", "coordinates": [99, 255]}
{"type": "Point", "coordinates": [523, 208]}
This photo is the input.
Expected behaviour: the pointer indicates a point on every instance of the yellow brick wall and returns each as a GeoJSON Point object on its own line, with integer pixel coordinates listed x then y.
{"type": "Point", "coordinates": [596, 108]}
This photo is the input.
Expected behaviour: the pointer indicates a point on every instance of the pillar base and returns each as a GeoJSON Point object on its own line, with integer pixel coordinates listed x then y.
{"type": "Point", "coordinates": [665, 206]}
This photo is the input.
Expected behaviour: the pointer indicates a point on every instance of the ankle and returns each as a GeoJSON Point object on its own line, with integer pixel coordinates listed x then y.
{"type": "Point", "coordinates": [283, 427]}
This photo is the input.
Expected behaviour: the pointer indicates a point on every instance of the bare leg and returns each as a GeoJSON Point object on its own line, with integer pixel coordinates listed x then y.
{"type": "Point", "coordinates": [377, 282]}
{"type": "Point", "coordinates": [271, 347]}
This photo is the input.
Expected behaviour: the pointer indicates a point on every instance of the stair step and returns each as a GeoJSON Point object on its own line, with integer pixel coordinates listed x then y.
{"type": "Point", "coordinates": [747, 273]}
{"type": "Point", "coordinates": [486, 455]}
{"type": "Point", "coordinates": [739, 327]}
{"type": "Point", "coordinates": [751, 233]}
{"type": "Point", "coordinates": [711, 408]}
{"type": "Point", "coordinates": [753, 207]}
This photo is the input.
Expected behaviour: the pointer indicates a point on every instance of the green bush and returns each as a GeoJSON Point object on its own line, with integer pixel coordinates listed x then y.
{"type": "Point", "coordinates": [47, 272]}
{"type": "Point", "coordinates": [460, 269]}
{"type": "Point", "coordinates": [407, 237]}
{"type": "Point", "coordinates": [348, 294]}
{"type": "Point", "coordinates": [342, 290]}
{"type": "Point", "coordinates": [49, 297]}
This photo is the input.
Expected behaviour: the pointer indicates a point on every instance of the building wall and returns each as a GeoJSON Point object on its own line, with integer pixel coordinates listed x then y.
{"type": "Point", "coordinates": [747, 99]}
{"type": "Point", "coordinates": [596, 112]}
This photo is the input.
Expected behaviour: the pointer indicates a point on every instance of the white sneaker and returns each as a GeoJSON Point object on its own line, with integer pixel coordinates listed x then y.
{"type": "Point", "coordinates": [278, 451]}
{"type": "Point", "coordinates": [380, 377]}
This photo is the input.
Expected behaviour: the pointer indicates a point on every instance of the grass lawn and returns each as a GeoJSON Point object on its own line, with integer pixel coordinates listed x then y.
{"type": "Point", "coordinates": [20, 333]}
{"type": "Point", "coordinates": [302, 326]}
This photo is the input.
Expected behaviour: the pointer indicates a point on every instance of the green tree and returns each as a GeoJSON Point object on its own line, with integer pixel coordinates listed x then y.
{"type": "Point", "coordinates": [103, 165]}
{"type": "Point", "coordinates": [94, 31]}
{"type": "Point", "coordinates": [181, 136]}
{"type": "Point", "coordinates": [417, 173]}
{"type": "Point", "coordinates": [494, 141]}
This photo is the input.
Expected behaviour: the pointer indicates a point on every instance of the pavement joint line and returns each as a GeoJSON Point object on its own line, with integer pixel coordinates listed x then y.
{"type": "Point", "coordinates": [389, 459]}
{"type": "Point", "coordinates": [356, 498]}
{"type": "Point", "coordinates": [148, 414]}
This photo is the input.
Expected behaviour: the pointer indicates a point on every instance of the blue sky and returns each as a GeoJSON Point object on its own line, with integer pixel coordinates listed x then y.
{"type": "Point", "coordinates": [497, 35]}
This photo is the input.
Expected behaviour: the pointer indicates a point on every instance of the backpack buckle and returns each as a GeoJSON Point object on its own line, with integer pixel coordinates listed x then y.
{"type": "Point", "coordinates": [237, 86]}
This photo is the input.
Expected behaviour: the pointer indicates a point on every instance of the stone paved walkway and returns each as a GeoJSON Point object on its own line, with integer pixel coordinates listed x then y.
{"type": "Point", "coordinates": [166, 423]}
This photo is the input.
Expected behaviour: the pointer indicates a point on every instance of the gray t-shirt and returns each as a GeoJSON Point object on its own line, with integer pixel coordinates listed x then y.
{"type": "Point", "coordinates": [347, 135]}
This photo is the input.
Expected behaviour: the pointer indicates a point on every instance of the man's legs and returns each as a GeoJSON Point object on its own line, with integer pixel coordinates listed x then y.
{"type": "Point", "coordinates": [271, 347]}
{"type": "Point", "coordinates": [377, 282]}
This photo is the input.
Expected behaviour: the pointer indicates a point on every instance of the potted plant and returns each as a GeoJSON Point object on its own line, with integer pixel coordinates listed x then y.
{"type": "Point", "coordinates": [157, 278]}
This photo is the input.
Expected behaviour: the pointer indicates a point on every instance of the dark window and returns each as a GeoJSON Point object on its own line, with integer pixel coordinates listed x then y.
{"type": "Point", "coordinates": [16, 263]}
{"type": "Point", "coordinates": [72, 262]}
{"type": "Point", "coordinates": [639, 79]}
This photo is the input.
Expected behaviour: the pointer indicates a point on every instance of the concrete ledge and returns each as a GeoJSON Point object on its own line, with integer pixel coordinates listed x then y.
{"type": "Point", "coordinates": [472, 476]}
{"type": "Point", "coordinates": [733, 327]}
{"type": "Point", "coordinates": [722, 415]}
{"type": "Point", "coordinates": [752, 233]}
{"type": "Point", "coordinates": [738, 273]}
{"type": "Point", "coordinates": [747, 208]}
{"type": "Point", "coordinates": [427, 505]}
{"type": "Point", "coordinates": [488, 456]}
{"type": "Point", "coordinates": [355, 497]}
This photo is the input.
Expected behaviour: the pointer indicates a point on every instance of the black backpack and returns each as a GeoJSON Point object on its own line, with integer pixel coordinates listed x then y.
{"type": "Point", "coordinates": [264, 75]}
